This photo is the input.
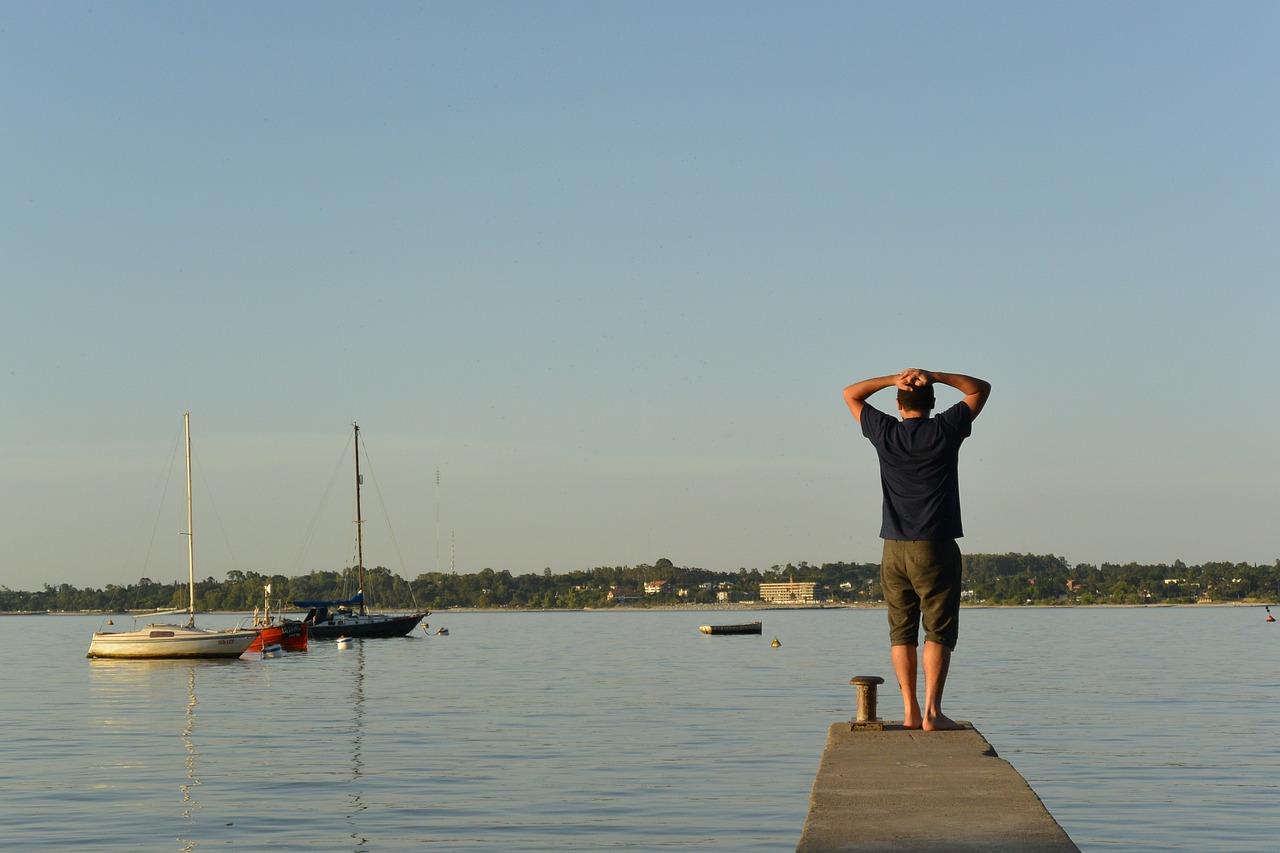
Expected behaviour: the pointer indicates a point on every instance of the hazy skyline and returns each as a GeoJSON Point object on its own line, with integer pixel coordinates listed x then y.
{"type": "Point", "coordinates": [608, 268]}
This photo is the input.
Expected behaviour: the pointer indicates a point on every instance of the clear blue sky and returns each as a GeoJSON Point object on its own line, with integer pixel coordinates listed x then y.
{"type": "Point", "coordinates": [608, 267]}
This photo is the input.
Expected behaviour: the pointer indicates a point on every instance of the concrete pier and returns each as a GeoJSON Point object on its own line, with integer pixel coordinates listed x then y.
{"type": "Point", "coordinates": [905, 791]}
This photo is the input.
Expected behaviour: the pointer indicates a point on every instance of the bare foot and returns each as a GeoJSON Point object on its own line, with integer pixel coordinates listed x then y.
{"type": "Point", "coordinates": [941, 723]}
{"type": "Point", "coordinates": [912, 722]}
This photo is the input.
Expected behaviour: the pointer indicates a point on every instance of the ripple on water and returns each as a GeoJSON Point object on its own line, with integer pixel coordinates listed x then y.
{"type": "Point", "coordinates": [624, 731]}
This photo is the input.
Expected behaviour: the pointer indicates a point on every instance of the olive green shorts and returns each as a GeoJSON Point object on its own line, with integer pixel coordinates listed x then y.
{"type": "Point", "coordinates": [921, 582]}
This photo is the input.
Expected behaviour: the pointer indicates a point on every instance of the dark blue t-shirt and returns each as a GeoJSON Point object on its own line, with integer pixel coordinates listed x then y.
{"type": "Point", "coordinates": [918, 471]}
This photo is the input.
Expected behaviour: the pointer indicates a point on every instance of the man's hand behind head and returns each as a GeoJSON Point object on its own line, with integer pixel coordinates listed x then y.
{"type": "Point", "coordinates": [911, 379]}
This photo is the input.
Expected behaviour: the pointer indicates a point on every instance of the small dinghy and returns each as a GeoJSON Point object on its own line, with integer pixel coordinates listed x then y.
{"type": "Point", "coordinates": [718, 630]}
{"type": "Point", "coordinates": [344, 642]}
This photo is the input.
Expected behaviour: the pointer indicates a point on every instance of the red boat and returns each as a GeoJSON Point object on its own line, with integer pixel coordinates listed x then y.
{"type": "Point", "coordinates": [289, 634]}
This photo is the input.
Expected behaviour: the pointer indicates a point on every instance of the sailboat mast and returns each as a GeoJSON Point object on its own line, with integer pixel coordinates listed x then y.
{"type": "Point", "coordinates": [359, 521]}
{"type": "Point", "coordinates": [191, 548]}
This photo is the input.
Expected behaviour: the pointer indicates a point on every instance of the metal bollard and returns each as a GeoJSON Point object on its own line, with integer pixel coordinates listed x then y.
{"type": "Point", "coordinates": [866, 715]}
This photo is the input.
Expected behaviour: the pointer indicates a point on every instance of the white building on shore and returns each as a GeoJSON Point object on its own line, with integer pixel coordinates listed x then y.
{"type": "Point", "coordinates": [788, 593]}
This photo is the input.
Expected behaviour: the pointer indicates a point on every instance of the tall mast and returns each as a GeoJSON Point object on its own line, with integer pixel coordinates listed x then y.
{"type": "Point", "coordinates": [191, 548]}
{"type": "Point", "coordinates": [359, 521]}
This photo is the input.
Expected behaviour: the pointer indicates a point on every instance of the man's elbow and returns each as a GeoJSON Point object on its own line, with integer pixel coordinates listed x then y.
{"type": "Point", "coordinates": [854, 400]}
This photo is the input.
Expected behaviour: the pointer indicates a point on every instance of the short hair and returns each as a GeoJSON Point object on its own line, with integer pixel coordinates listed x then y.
{"type": "Point", "coordinates": [917, 399]}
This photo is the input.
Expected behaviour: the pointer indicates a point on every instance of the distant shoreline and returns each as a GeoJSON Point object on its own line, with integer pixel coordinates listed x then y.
{"type": "Point", "coordinates": [676, 608]}
{"type": "Point", "coordinates": [759, 608]}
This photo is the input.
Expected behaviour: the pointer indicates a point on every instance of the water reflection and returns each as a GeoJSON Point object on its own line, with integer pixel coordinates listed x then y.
{"type": "Point", "coordinates": [189, 803]}
{"type": "Point", "coordinates": [356, 795]}
{"type": "Point", "coordinates": [138, 694]}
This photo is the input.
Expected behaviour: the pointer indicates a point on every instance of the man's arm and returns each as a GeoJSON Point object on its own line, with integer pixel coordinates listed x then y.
{"type": "Point", "coordinates": [975, 391]}
{"type": "Point", "coordinates": [856, 394]}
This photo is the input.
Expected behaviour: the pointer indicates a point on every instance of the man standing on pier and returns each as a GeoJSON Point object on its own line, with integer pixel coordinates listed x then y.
{"type": "Point", "coordinates": [920, 567]}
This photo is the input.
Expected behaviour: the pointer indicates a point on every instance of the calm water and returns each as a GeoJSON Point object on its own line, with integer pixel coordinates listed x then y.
{"type": "Point", "coordinates": [1141, 729]}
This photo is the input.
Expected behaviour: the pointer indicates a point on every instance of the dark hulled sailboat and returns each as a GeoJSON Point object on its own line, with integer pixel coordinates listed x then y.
{"type": "Point", "coordinates": [329, 620]}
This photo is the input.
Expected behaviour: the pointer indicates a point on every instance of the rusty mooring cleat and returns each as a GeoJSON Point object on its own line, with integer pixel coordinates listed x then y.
{"type": "Point", "coordinates": [866, 715]}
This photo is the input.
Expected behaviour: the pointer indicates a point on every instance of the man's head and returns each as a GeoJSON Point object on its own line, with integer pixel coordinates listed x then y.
{"type": "Point", "coordinates": [918, 402]}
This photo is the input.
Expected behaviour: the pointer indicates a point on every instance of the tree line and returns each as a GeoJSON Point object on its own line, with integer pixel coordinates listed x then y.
{"type": "Point", "coordinates": [1005, 579]}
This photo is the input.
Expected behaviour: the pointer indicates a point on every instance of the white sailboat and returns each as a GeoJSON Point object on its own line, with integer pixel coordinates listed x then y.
{"type": "Point", "coordinates": [168, 640]}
